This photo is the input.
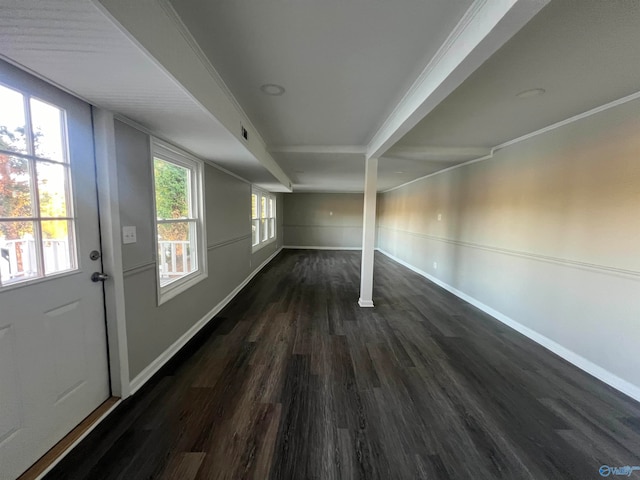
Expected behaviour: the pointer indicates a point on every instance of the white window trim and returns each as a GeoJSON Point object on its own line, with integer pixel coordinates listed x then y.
{"type": "Point", "coordinates": [168, 152]}
{"type": "Point", "coordinates": [263, 243]}
{"type": "Point", "coordinates": [33, 159]}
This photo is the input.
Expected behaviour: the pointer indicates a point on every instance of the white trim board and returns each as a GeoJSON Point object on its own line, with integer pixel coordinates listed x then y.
{"type": "Point", "coordinates": [365, 303]}
{"type": "Point", "coordinates": [294, 225]}
{"type": "Point", "coordinates": [549, 128]}
{"type": "Point", "coordinates": [482, 30]}
{"type": "Point", "coordinates": [317, 247]}
{"type": "Point", "coordinates": [582, 363]}
{"type": "Point", "coordinates": [321, 149]}
{"type": "Point", "coordinates": [313, 190]}
{"type": "Point", "coordinates": [111, 245]}
{"type": "Point", "coordinates": [204, 59]}
{"type": "Point", "coordinates": [146, 374]}
{"type": "Point", "coordinates": [522, 254]}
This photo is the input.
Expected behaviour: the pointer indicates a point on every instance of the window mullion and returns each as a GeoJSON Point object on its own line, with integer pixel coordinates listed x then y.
{"type": "Point", "coordinates": [35, 196]}
{"type": "Point", "coordinates": [35, 205]}
{"type": "Point", "coordinates": [193, 230]}
{"type": "Point", "coordinates": [34, 219]}
{"type": "Point", "coordinates": [28, 130]}
{"type": "Point", "coordinates": [259, 218]}
{"type": "Point", "coordinates": [193, 207]}
{"type": "Point", "coordinates": [27, 156]}
{"type": "Point", "coordinates": [35, 208]}
{"type": "Point", "coordinates": [175, 220]}
{"type": "Point", "coordinates": [39, 249]}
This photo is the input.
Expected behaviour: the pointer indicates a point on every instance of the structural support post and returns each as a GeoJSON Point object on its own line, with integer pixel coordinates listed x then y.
{"type": "Point", "coordinates": [368, 232]}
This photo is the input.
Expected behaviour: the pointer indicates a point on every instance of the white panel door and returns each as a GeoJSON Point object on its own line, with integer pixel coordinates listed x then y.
{"type": "Point", "coordinates": [53, 354]}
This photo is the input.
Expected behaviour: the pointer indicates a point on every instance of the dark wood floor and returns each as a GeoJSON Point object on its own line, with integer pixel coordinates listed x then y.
{"type": "Point", "coordinates": [297, 382]}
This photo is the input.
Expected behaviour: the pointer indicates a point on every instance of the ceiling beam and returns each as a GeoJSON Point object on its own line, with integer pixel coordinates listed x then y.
{"type": "Point", "coordinates": [426, 152]}
{"type": "Point", "coordinates": [321, 149]}
{"type": "Point", "coordinates": [156, 28]}
{"type": "Point", "coordinates": [485, 27]}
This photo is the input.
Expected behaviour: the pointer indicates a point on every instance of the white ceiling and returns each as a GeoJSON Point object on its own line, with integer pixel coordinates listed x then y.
{"type": "Point", "coordinates": [320, 172]}
{"type": "Point", "coordinates": [344, 64]}
{"type": "Point", "coordinates": [584, 53]}
{"type": "Point", "coordinates": [73, 45]}
{"type": "Point", "coordinates": [358, 75]}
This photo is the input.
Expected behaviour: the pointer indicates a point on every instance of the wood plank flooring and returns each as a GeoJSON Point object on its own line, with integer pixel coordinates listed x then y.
{"type": "Point", "coordinates": [294, 381]}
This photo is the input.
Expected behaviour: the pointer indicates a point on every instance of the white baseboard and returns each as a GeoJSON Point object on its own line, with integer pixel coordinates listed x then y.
{"type": "Point", "coordinates": [144, 376]}
{"type": "Point", "coordinates": [365, 303]}
{"type": "Point", "coordinates": [582, 363]}
{"type": "Point", "coordinates": [316, 247]}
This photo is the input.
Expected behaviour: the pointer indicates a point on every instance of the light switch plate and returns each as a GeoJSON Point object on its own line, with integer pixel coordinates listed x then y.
{"type": "Point", "coordinates": [129, 235]}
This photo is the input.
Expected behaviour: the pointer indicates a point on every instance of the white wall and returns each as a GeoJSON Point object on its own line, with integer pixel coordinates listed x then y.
{"type": "Point", "coordinates": [153, 329]}
{"type": "Point", "coordinates": [328, 220]}
{"type": "Point", "coordinates": [546, 234]}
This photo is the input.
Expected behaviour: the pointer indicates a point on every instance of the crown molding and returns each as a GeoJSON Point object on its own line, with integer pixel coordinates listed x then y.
{"type": "Point", "coordinates": [458, 30]}
{"type": "Point", "coordinates": [175, 18]}
{"type": "Point", "coordinates": [553, 126]}
{"type": "Point", "coordinates": [575, 118]}
{"type": "Point", "coordinates": [483, 29]}
{"type": "Point", "coordinates": [158, 31]}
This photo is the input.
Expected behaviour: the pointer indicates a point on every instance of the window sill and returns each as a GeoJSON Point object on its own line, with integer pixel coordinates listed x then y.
{"type": "Point", "coordinates": [175, 288]}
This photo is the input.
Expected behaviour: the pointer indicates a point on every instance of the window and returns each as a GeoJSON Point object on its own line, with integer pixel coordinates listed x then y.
{"type": "Point", "coordinates": [255, 220]}
{"type": "Point", "coordinates": [271, 218]}
{"type": "Point", "coordinates": [263, 218]}
{"type": "Point", "coordinates": [37, 223]}
{"type": "Point", "coordinates": [179, 209]}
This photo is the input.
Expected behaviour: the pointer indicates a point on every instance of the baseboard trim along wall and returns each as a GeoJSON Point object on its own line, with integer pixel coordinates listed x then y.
{"type": "Point", "coordinates": [146, 374]}
{"type": "Point", "coordinates": [582, 363]}
{"type": "Point", "coordinates": [317, 247]}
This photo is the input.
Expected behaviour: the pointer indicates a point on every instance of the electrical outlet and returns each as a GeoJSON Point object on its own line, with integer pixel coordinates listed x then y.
{"type": "Point", "coordinates": [435, 265]}
{"type": "Point", "coordinates": [129, 235]}
{"type": "Point", "coordinates": [439, 217]}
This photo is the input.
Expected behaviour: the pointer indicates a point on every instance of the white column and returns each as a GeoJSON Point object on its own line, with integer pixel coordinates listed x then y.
{"type": "Point", "coordinates": [368, 232]}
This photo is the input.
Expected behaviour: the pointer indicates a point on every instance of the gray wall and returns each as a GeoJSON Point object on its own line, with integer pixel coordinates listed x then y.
{"type": "Point", "coordinates": [547, 233]}
{"type": "Point", "coordinates": [151, 329]}
{"type": "Point", "coordinates": [323, 220]}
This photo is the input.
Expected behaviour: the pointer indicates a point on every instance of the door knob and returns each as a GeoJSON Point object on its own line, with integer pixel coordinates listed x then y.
{"type": "Point", "coordinates": [99, 277]}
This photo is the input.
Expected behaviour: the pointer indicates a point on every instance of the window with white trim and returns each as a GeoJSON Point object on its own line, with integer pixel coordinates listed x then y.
{"type": "Point", "coordinates": [263, 218]}
{"type": "Point", "coordinates": [37, 220]}
{"type": "Point", "coordinates": [179, 209]}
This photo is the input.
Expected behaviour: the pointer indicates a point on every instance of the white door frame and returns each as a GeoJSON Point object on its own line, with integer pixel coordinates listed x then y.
{"type": "Point", "coordinates": [110, 228]}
